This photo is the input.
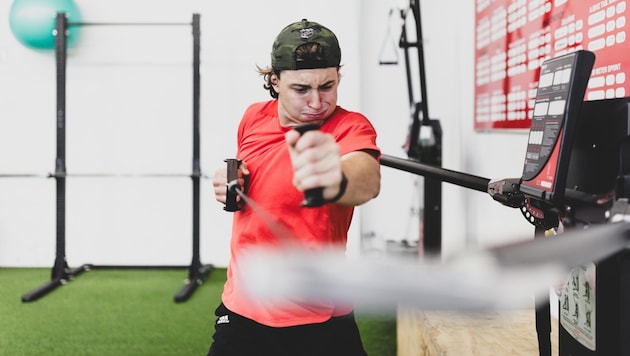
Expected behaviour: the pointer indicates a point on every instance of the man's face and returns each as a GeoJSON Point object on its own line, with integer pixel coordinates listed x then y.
{"type": "Point", "coordinates": [306, 95]}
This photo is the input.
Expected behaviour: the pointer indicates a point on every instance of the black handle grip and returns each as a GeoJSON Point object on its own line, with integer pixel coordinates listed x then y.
{"type": "Point", "coordinates": [232, 177]}
{"type": "Point", "coordinates": [312, 197]}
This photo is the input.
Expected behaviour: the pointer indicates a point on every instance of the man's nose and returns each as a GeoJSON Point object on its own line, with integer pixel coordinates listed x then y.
{"type": "Point", "coordinates": [315, 99]}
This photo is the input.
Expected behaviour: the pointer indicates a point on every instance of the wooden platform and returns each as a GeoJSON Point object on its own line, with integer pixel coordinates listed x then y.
{"type": "Point", "coordinates": [511, 333]}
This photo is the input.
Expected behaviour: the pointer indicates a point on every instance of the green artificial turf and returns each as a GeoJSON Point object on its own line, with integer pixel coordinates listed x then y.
{"type": "Point", "coordinates": [127, 312]}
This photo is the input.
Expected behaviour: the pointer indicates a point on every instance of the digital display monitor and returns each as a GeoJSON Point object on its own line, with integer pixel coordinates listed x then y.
{"type": "Point", "coordinates": [561, 87]}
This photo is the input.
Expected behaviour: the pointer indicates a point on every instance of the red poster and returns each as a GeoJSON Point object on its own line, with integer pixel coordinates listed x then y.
{"type": "Point", "coordinates": [513, 37]}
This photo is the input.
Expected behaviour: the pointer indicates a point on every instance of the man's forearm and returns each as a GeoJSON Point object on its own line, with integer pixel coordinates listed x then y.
{"type": "Point", "coordinates": [363, 172]}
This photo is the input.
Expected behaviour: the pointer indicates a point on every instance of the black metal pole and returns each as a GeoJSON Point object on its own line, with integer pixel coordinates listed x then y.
{"type": "Point", "coordinates": [430, 153]}
{"type": "Point", "coordinates": [412, 139]}
{"type": "Point", "coordinates": [60, 272]}
{"type": "Point", "coordinates": [432, 235]}
{"type": "Point", "coordinates": [143, 24]}
{"type": "Point", "coordinates": [415, 8]}
{"type": "Point", "coordinates": [404, 44]}
{"type": "Point", "coordinates": [432, 217]}
{"type": "Point", "coordinates": [60, 162]}
{"type": "Point", "coordinates": [543, 311]}
{"type": "Point", "coordinates": [196, 165]}
{"type": "Point", "coordinates": [197, 273]}
{"type": "Point", "coordinates": [441, 174]}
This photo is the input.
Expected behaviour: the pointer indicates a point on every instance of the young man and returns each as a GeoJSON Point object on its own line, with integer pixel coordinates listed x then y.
{"type": "Point", "coordinates": [279, 164]}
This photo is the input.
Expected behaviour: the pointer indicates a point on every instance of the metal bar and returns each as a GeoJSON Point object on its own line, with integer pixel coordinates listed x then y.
{"type": "Point", "coordinates": [445, 175]}
{"type": "Point", "coordinates": [403, 44]}
{"type": "Point", "coordinates": [103, 175]}
{"type": "Point", "coordinates": [432, 216]}
{"type": "Point", "coordinates": [486, 279]}
{"type": "Point", "coordinates": [423, 84]}
{"type": "Point", "coordinates": [197, 272]}
{"type": "Point", "coordinates": [24, 175]}
{"type": "Point", "coordinates": [542, 312]}
{"type": "Point", "coordinates": [138, 267]}
{"type": "Point", "coordinates": [60, 161]}
{"type": "Point", "coordinates": [196, 165]}
{"type": "Point", "coordinates": [127, 175]}
{"type": "Point", "coordinates": [71, 24]}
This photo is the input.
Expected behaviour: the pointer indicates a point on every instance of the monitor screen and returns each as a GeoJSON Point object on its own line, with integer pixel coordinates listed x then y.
{"type": "Point", "coordinates": [561, 87]}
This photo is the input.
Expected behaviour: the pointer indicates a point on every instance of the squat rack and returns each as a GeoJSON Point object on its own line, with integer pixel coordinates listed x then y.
{"type": "Point", "coordinates": [61, 273]}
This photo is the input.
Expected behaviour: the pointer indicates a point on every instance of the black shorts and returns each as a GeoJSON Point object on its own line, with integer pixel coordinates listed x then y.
{"type": "Point", "coordinates": [236, 335]}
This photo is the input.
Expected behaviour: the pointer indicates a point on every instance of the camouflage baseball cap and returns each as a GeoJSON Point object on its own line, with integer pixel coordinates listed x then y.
{"type": "Point", "coordinates": [298, 33]}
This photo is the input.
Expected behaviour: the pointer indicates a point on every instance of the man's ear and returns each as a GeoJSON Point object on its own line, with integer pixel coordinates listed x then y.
{"type": "Point", "coordinates": [274, 82]}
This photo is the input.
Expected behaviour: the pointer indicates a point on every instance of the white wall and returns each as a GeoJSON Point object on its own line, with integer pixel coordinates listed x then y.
{"type": "Point", "coordinates": [129, 111]}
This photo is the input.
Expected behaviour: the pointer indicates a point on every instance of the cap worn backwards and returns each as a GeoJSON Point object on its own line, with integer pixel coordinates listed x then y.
{"type": "Point", "coordinates": [283, 56]}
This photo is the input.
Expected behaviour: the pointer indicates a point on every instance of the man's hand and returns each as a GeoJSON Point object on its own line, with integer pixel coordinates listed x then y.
{"type": "Point", "coordinates": [316, 161]}
{"type": "Point", "coordinates": [219, 182]}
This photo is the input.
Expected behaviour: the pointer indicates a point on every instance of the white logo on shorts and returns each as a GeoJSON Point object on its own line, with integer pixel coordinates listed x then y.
{"type": "Point", "coordinates": [224, 319]}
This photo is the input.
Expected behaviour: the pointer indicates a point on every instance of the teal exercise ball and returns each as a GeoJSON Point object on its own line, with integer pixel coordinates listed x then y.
{"type": "Point", "coordinates": [33, 21]}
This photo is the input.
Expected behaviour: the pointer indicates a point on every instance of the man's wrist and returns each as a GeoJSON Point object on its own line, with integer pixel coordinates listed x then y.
{"type": "Point", "coordinates": [342, 189]}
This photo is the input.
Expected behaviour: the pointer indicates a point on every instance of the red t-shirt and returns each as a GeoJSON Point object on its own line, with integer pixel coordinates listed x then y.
{"type": "Point", "coordinates": [262, 146]}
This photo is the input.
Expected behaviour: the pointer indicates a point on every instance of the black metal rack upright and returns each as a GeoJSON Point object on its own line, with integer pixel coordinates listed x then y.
{"type": "Point", "coordinates": [197, 272]}
{"type": "Point", "coordinates": [61, 273]}
{"type": "Point", "coordinates": [426, 153]}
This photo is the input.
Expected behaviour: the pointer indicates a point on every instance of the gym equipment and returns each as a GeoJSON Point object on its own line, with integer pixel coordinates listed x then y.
{"type": "Point", "coordinates": [312, 197]}
{"type": "Point", "coordinates": [561, 88]}
{"type": "Point", "coordinates": [594, 312]}
{"type": "Point", "coordinates": [424, 140]}
{"type": "Point", "coordinates": [61, 273]}
{"type": "Point", "coordinates": [32, 22]}
{"type": "Point", "coordinates": [232, 177]}
{"type": "Point", "coordinates": [577, 173]}
{"type": "Point", "coordinates": [593, 319]}
{"type": "Point", "coordinates": [475, 280]}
